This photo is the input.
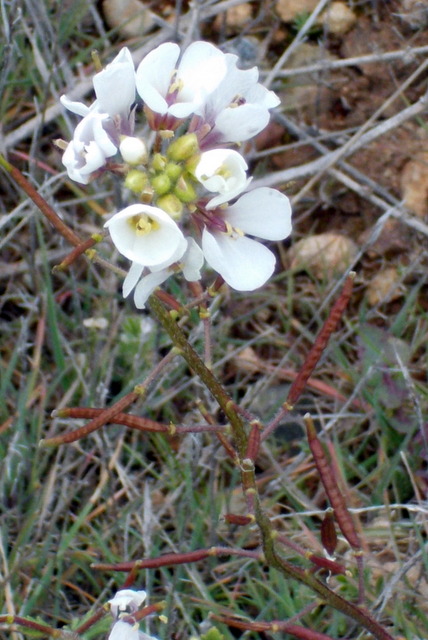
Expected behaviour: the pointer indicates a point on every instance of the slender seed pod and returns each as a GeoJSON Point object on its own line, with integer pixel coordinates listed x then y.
{"type": "Point", "coordinates": [337, 501]}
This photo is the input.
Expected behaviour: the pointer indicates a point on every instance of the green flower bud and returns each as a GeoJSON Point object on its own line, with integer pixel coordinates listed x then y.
{"type": "Point", "coordinates": [161, 184]}
{"type": "Point", "coordinates": [184, 190]}
{"type": "Point", "coordinates": [171, 205]}
{"type": "Point", "coordinates": [192, 163]}
{"type": "Point", "coordinates": [158, 162]}
{"type": "Point", "coordinates": [136, 180]}
{"type": "Point", "coordinates": [173, 171]}
{"type": "Point", "coordinates": [183, 148]}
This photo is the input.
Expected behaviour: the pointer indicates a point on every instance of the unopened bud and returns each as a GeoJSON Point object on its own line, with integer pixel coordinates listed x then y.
{"type": "Point", "coordinates": [136, 181]}
{"type": "Point", "coordinates": [173, 171]}
{"type": "Point", "coordinates": [158, 162]}
{"type": "Point", "coordinates": [171, 205]}
{"type": "Point", "coordinates": [161, 184]}
{"type": "Point", "coordinates": [185, 191]}
{"type": "Point", "coordinates": [133, 150]}
{"type": "Point", "coordinates": [183, 148]}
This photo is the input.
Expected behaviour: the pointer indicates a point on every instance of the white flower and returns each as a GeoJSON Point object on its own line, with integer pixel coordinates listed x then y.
{"type": "Point", "coordinates": [115, 85]}
{"type": "Point", "coordinates": [96, 137]}
{"type": "Point", "coordinates": [222, 171]}
{"type": "Point", "coordinates": [238, 108]}
{"type": "Point", "coordinates": [244, 263]}
{"type": "Point", "coordinates": [90, 147]}
{"type": "Point", "coordinates": [123, 631]}
{"type": "Point", "coordinates": [114, 88]}
{"type": "Point", "coordinates": [190, 262]}
{"type": "Point", "coordinates": [146, 235]}
{"type": "Point", "coordinates": [179, 90]}
{"type": "Point", "coordinates": [126, 601]}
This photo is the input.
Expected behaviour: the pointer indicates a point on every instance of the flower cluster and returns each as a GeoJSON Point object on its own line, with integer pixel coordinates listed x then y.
{"type": "Point", "coordinates": [192, 189]}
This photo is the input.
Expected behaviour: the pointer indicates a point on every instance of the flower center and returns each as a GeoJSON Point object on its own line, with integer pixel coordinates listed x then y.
{"type": "Point", "coordinates": [142, 224]}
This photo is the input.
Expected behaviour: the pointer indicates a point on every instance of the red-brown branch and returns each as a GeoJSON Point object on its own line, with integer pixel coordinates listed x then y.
{"type": "Point", "coordinates": [171, 559]}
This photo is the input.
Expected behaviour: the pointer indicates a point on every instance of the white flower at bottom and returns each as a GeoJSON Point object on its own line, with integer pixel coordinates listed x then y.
{"type": "Point", "coordinates": [126, 601]}
{"type": "Point", "coordinates": [222, 171]}
{"type": "Point", "coordinates": [244, 263]}
{"type": "Point", "coordinates": [123, 631]}
{"type": "Point", "coordinates": [146, 235]}
{"type": "Point", "coordinates": [190, 262]}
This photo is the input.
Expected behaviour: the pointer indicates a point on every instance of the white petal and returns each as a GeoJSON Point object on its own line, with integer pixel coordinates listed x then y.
{"type": "Point", "coordinates": [264, 212]}
{"type": "Point", "coordinates": [147, 285]}
{"type": "Point", "coordinates": [229, 195]}
{"type": "Point", "coordinates": [241, 123]}
{"type": "Point", "coordinates": [94, 158]}
{"type": "Point", "coordinates": [124, 631]}
{"type": "Point", "coordinates": [200, 71]}
{"type": "Point", "coordinates": [154, 75]}
{"type": "Point", "coordinates": [126, 600]}
{"type": "Point", "coordinates": [73, 162]}
{"type": "Point", "coordinates": [115, 85]}
{"type": "Point", "coordinates": [192, 261]}
{"type": "Point", "coordinates": [224, 171]}
{"type": "Point", "coordinates": [174, 257]}
{"type": "Point", "coordinates": [150, 249]}
{"type": "Point", "coordinates": [75, 107]}
{"type": "Point", "coordinates": [243, 263]}
{"type": "Point", "coordinates": [131, 280]}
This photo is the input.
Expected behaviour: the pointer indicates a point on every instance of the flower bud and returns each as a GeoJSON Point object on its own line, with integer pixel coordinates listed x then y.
{"type": "Point", "coordinates": [183, 148]}
{"type": "Point", "coordinates": [133, 150]}
{"type": "Point", "coordinates": [158, 162]}
{"type": "Point", "coordinates": [171, 205]}
{"type": "Point", "coordinates": [161, 184]}
{"type": "Point", "coordinates": [184, 190]}
{"type": "Point", "coordinates": [136, 180]}
{"type": "Point", "coordinates": [173, 171]}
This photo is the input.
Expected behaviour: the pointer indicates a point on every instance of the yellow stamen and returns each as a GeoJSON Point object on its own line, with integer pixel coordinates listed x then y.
{"type": "Point", "coordinates": [143, 224]}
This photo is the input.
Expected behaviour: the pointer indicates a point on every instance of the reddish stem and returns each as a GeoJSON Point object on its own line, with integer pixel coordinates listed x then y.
{"type": "Point", "coordinates": [274, 626]}
{"type": "Point", "coordinates": [171, 559]}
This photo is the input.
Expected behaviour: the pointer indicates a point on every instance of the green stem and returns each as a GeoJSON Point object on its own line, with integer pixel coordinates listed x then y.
{"type": "Point", "coordinates": [206, 375]}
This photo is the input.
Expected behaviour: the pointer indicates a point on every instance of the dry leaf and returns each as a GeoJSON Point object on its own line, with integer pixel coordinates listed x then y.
{"type": "Point", "coordinates": [131, 17]}
{"type": "Point", "coordinates": [414, 184]}
{"type": "Point", "coordinates": [235, 18]}
{"type": "Point", "coordinates": [338, 19]}
{"type": "Point", "coordinates": [324, 254]}
{"type": "Point", "coordinates": [383, 287]}
{"type": "Point", "coordinates": [288, 10]}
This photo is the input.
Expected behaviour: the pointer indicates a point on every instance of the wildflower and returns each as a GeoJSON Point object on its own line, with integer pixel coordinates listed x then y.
{"type": "Point", "coordinates": [238, 108]}
{"type": "Point", "coordinates": [88, 150]}
{"type": "Point", "coordinates": [179, 89]}
{"type": "Point", "coordinates": [97, 136]}
{"type": "Point", "coordinates": [146, 235]}
{"type": "Point", "coordinates": [222, 171]}
{"type": "Point", "coordinates": [244, 263]}
{"type": "Point", "coordinates": [126, 601]}
{"type": "Point", "coordinates": [190, 263]}
{"type": "Point", "coordinates": [114, 89]}
{"type": "Point", "coordinates": [121, 630]}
